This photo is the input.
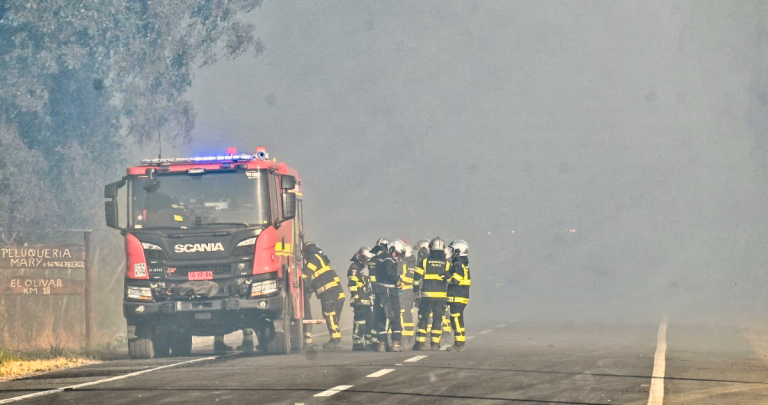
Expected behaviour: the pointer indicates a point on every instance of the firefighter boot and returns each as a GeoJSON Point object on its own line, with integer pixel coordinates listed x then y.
{"type": "Point", "coordinates": [397, 347]}
{"type": "Point", "coordinates": [435, 346]}
{"type": "Point", "coordinates": [419, 346]}
{"type": "Point", "coordinates": [247, 346]}
{"type": "Point", "coordinates": [332, 344]}
{"type": "Point", "coordinates": [382, 347]}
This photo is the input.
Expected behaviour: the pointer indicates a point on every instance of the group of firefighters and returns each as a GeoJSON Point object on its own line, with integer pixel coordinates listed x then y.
{"type": "Point", "coordinates": [386, 283]}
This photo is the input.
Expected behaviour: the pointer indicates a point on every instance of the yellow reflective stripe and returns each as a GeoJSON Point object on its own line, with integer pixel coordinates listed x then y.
{"type": "Point", "coordinates": [352, 288]}
{"type": "Point", "coordinates": [458, 300]}
{"type": "Point", "coordinates": [434, 294]}
{"type": "Point", "coordinates": [433, 277]}
{"type": "Point", "coordinates": [373, 278]}
{"type": "Point", "coordinates": [457, 277]}
{"type": "Point", "coordinates": [353, 278]}
{"type": "Point", "coordinates": [419, 270]}
{"type": "Point", "coordinates": [407, 287]}
{"type": "Point", "coordinates": [336, 335]}
{"type": "Point", "coordinates": [406, 279]}
{"type": "Point", "coordinates": [322, 270]}
{"type": "Point", "coordinates": [311, 266]}
{"type": "Point", "coordinates": [321, 260]}
{"type": "Point", "coordinates": [407, 333]}
{"type": "Point", "coordinates": [341, 295]}
{"type": "Point", "coordinates": [327, 286]}
{"type": "Point", "coordinates": [460, 338]}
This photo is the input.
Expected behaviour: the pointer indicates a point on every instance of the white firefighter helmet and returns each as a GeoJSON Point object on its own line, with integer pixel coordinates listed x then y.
{"type": "Point", "coordinates": [460, 247]}
{"type": "Point", "coordinates": [363, 255]}
{"type": "Point", "coordinates": [408, 250]}
{"type": "Point", "coordinates": [384, 243]}
{"type": "Point", "coordinates": [436, 244]}
{"type": "Point", "coordinates": [398, 247]}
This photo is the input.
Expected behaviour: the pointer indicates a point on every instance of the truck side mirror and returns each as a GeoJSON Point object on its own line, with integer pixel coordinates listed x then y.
{"type": "Point", "coordinates": [289, 205]}
{"type": "Point", "coordinates": [110, 212]}
{"type": "Point", "coordinates": [288, 182]}
{"type": "Point", "coordinates": [110, 190]}
{"type": "Point", "coordinates": [110, 206]}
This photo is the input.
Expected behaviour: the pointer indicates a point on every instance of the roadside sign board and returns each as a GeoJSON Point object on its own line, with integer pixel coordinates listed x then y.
{"type": "Point", "coordinates": [41, 286]}
{"type": "Point", "coordinates": [42, 257]}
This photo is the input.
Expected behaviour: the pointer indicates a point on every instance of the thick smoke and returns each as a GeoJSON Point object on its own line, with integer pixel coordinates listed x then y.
{"type": "Point", "coordinates": [512, 124]}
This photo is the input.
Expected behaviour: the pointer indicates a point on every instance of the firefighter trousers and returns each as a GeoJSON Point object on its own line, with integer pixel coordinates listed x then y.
{"type": "Point", "coordinates": [362, 324]}
{"type": "Point", "coordinates": [457, 323]}
{"type": "Point", "coordinates": [406, 313]}
{"type": "Point", "coordinates": [332, 302]}
{"type": "Point", "coordinates": [386, 314]}
{"type": "Point", "coordinates": [435, 308]}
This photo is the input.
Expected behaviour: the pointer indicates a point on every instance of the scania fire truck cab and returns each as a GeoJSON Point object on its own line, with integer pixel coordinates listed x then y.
{"type": "Point", "coordinates": [212, 245]}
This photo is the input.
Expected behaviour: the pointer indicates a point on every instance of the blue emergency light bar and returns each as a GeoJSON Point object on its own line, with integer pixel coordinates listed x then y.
{"type": "Point", "coordinates": [202, 159]}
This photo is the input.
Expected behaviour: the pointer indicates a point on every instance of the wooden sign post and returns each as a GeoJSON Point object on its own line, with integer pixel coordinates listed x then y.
{"type": "Point", "coordinates": [49, 257]}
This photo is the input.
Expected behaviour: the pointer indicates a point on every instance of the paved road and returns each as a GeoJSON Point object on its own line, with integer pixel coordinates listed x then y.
{"type": "Point", "coordinates": [512, 362]}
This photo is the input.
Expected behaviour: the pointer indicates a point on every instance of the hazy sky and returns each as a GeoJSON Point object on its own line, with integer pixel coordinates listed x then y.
{"type": "Point", "coordinates": [639, 124]}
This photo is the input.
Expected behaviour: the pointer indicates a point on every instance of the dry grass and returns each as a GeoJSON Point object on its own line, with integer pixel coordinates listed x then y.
{"type": "Point", "coordinates": [21, 368]}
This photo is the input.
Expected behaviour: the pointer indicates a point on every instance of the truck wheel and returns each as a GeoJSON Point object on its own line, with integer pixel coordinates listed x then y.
{"type": "Point", "coordinates": [279, 345]}
{"type": "Point", "coordinates": [161, 343]}
{"type": "Point", "coordinates": [181, 345]}
{"type": "Point", "coordinates": [141, 349]}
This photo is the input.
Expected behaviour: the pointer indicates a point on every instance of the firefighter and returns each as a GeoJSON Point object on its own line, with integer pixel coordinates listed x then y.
{"type": "Point", "coordinates": [387, 302]}
{"type": "Point", "coordinates": [380, 251]}
{"type": "Point", "coordinates": [430, 276]}
{"type": "Point", "coordinates": [458, 292]}
{"type": "Point", "coordinates": [325, 283]}
{"type": "Point", "coordinates": [407, 266]}
{"type": "Point", "coordinates": [360, 298]}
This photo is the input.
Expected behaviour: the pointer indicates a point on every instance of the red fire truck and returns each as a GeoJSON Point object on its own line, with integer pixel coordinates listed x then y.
{"type": "Point", "coordinates": [213, 245]}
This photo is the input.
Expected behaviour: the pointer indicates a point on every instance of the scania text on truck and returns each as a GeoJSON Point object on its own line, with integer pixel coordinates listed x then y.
{"type": "Point", "coordinates": [212, 245]}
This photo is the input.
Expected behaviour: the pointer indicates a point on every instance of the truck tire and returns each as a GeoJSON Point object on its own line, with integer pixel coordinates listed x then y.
{"type": "Point", "coordinates": [181, 345]}
{"type": "Point", "coordinates": [161, 343]}
{"type": "Point", "coordinates": [141, 349]}
{"type": "Point", "coordinates": [278, 344]}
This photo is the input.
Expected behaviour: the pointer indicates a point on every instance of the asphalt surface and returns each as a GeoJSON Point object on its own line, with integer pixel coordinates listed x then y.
{"type": "Point", "coordinates": [508, 362]}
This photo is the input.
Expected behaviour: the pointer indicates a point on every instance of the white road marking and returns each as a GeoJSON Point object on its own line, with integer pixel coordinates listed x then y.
{"type": "Point", "coordinates": [335, 390]}
{"type": "Point", "coordinates": [414, 359]}
{"type": "Point", "coordinates": [483, 332]}
{"type": "Point", "coordinates": [325, 333]}
{"type": "Point", "coordinates": [398, 364]}
{"type": "Point", "coordinates": [383, 371]}
{"type": "Point", "coordinates": [656, 392]}
{"type": "Point", "coordinates": [470, 337]}
{"type": "Point", "coordinates": [106, 380]}
{"type": "Point", "coordinates": [501, 325]}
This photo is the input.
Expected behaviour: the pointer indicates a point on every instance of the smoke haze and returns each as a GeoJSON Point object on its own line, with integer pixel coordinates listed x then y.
{"type": "Point", "coordinates": [601, 158]}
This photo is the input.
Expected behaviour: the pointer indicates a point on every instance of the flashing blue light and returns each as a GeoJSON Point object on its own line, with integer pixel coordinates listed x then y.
{"type": "Point", "coordinates": [201, 159]}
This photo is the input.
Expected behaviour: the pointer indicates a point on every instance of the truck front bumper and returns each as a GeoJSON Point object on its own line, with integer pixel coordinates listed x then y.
{"type": "Point", "coordinates": [205, 310]}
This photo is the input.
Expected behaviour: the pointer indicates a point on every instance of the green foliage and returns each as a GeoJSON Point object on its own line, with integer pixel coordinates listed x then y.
{"type": "Point", "coordinates": [82, 81]}
{"type": "Point", "coordinates": [56, 349]}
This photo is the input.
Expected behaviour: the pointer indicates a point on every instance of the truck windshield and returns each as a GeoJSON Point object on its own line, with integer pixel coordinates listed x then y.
{"type": "Point", "coordinates": [187, 201]}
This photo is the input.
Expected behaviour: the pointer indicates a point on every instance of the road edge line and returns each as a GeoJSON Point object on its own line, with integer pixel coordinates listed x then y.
{"type": "Point", "coordinates": [656, 392]}
{"type": "Point", "coordinates": [106, 380]}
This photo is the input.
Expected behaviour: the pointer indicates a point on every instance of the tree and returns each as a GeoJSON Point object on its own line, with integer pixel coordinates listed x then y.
{"type": "Point", "coordinates": [84, 80]}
